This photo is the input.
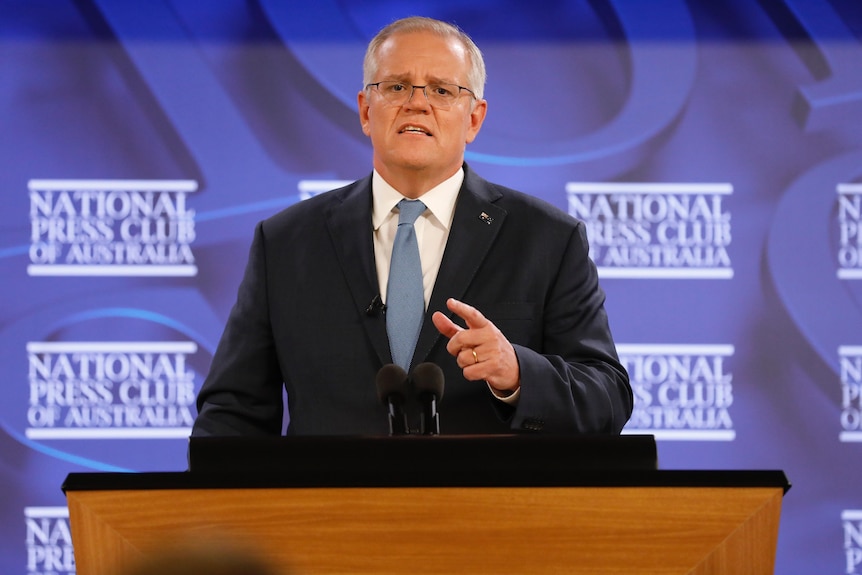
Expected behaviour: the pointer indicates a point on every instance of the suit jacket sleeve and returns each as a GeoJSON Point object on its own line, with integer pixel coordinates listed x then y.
{"type": "Point", "coordinates": [574, 382]}
{"type": "Point", "coordinates": [242, 394]}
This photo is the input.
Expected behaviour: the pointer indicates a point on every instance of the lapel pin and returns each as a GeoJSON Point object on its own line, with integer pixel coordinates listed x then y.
{"type": "Point", "coordinates": [486, 218]}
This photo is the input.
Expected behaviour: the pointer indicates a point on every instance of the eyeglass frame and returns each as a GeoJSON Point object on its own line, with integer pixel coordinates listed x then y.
{"type": "Point", "coordinates": [424, 90]}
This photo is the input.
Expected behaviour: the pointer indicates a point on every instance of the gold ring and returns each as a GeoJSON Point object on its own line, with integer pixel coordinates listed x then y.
{"type": "Point", "coordinates": [475, 357]}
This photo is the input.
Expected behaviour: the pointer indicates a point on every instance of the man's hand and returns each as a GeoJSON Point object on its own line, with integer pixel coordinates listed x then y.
{"type": "Point", "coordinates": [481, 350]}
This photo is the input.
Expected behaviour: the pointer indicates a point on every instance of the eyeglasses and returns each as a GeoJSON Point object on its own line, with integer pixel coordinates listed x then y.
{"type": "Point", "coordinates": [441, 96]}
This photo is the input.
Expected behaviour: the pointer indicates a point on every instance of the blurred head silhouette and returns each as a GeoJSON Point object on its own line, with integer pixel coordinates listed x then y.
{"type": "Point", "coordinates": [203, 559]}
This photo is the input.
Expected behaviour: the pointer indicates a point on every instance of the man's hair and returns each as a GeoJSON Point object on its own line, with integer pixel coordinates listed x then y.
{"type": "Point", "coordinates": [476, 76]}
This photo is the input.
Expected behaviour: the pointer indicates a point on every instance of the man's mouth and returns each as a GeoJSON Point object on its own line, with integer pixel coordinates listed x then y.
{"type": "Point", "coordinates": [411, 129]}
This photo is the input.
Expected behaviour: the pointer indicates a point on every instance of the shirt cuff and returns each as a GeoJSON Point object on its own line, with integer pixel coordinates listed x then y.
{"type": "Point", "coordinates": [511, 399]}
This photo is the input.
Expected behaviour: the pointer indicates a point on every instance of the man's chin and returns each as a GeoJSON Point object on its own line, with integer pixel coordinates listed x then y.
{"type": "Point", "coordinates": [415, 163]}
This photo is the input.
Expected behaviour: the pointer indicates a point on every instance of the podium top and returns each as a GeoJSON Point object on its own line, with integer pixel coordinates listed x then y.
{"type": "Point", "coordinates": [400, 460]}
{"type": "Point", "coordinates": [423, 461]}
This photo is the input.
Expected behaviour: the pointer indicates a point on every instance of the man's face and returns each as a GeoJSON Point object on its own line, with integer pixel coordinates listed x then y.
{"type": "Point", "coordinates": [416, 140]}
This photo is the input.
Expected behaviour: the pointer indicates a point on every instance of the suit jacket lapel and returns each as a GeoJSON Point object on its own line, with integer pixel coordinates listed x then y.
{"type": "Point", "coordinates": [475, 225]}
{"type": "Point", "coordinates": [349, 222]}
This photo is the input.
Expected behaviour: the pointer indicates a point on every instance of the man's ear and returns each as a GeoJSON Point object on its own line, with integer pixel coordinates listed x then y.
{"type": "Point", "coordinates": [362, 102]}
{"type": "Point", "coordinates": [477, 116]}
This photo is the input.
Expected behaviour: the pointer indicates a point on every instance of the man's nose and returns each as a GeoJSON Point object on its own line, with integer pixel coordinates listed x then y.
{"type": "Point", "coordinates": [418, 101]}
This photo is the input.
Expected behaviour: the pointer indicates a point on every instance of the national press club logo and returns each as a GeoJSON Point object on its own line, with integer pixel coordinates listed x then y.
{"type": "Point", "coordinates": [88, 373]}
{"type": "Point", "coordinates": [49, 541]}
{"type": "Point", "coordinates": [110, 390]}
{"type": "Point", "coordinates": [682, 392]}
{"type": "Point", "coordinates": [310, 188]}
{"type": "Point", "coordinates": [849, 216]}
{"type": "Point", "coordinates": [655, 230]}
{"type": "Point", "coordinates": [111, 228]}
{"type": "Point", "coordinates": [851, 520]}
{"type": "Point", "coordinates": [850, 373]}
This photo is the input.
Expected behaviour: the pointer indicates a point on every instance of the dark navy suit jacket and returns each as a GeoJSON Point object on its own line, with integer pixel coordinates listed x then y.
{"type": "Point", "coordinates": [302, 321]}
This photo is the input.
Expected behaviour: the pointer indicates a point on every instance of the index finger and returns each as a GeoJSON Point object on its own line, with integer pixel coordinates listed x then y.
{"type": "Point", "coordinates": [472, 316]}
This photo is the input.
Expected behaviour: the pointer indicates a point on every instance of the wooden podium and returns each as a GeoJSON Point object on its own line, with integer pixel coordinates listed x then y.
{"type": "Point", "coordinates": [518, 504]}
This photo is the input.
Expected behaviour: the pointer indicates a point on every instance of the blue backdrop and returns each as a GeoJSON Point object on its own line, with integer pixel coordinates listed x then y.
{"type": "Point", "coordinates": [714, 147]}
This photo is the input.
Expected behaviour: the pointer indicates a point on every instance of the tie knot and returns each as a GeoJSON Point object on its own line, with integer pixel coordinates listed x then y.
{"type": "Point", "coordinates": [409, 210]}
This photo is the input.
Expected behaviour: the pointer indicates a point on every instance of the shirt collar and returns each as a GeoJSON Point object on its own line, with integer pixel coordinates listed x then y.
{"type": "Point", "coordinates": [440, 199]}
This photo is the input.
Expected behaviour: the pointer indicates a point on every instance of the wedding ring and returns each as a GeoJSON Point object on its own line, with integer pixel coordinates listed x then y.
{"type": "Point", "coordinates": [475, 357]}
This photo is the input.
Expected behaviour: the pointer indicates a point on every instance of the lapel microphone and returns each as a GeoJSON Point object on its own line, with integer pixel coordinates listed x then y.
{"type": "Point", "coordinates": [376, 306]}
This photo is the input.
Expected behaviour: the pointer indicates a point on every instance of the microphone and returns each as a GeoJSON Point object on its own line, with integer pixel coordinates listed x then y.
{"type": "Point", "coordinates": [375, 307]}
{"type": "Point", "coordinates": [428, 382]}
{"type": "Point", "coordinates": [392, 390]}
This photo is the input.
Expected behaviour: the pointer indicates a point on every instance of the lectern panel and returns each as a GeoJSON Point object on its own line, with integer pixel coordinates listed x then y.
{"type": "Point", "coordinates": [579, 530]}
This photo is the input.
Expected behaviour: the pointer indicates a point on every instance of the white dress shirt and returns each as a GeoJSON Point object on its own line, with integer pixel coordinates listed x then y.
{"type": "Point", "coordinates": [432, 227]}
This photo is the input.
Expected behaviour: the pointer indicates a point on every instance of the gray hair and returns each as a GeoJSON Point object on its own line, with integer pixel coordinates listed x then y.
{"type": "Point", "coordinates": [475, 77]}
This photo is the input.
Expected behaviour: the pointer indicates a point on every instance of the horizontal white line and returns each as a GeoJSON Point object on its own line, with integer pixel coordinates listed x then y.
{"type": "Point", "coordinates": [648, 188]}
{"type": "Point", "coordinates": [665, 273]}
{"type": "Point", "coordinates": [110, 433]}
{"type": "Point", "coordinates": [850, 350]}
{"type": "Point", "coordinates": [321, 185]}
{"type": "Point", "coordinates": [112, 346]}
{"type": "Point", "coordinates": [686, 434]}
{"type": "Point", "coordinates": [849, 274]}
{"type": "Point", "coordinates": [849, 188]}
{"type": "Point", "coordinates": [850, 436]}
{"type": "Point", "coordinates": [851, 515]}
{"type": "Point", "coordinates": [113, 185]}
{"type": "Point", "coordinates": [673, 349]}
{"type": "Point", "coordinates": [46, 512]}
{"type": "Point", "coordinates": [112, 270]}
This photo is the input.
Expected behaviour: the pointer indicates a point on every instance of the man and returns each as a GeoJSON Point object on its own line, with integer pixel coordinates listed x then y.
{"type": "Point", "coordinates": [513, 313]}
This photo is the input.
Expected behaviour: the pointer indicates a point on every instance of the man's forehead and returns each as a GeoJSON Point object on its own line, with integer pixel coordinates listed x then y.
{"type": "Point", "coordinates": [417, 40]}
{"type": "Point", "coordinates": [405, 54]}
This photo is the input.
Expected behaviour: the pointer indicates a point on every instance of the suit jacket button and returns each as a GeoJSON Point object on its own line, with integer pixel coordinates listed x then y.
{"type": "Point", "coordinates": [533, 424]}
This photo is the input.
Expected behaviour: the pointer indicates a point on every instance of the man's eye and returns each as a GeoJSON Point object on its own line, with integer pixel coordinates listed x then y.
{"type": "Point", "coordinates": [397, 88]}
{"type": "Point", "coordinates": [442, 91]}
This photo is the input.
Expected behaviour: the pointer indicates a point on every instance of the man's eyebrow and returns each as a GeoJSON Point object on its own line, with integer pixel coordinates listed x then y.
{"type": "Point", "coordinates": [405, 79]}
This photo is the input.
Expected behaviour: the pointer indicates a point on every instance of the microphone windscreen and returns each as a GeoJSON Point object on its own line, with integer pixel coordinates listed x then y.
{"type": "Point", "coordinates": [391, 379]}
{"type": "Point", "coordinates": [428, 378]}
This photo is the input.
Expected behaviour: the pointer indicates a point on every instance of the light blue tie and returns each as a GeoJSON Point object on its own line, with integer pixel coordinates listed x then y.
{"type": "Point", "coordinates": [405, 294]}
